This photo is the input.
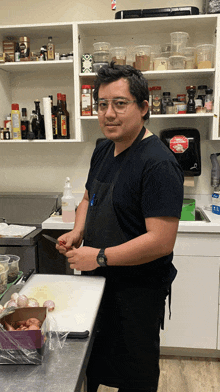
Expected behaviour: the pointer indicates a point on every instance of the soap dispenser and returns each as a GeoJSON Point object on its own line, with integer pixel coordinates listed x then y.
{"type": "Point", "coordinates": [68, 203]}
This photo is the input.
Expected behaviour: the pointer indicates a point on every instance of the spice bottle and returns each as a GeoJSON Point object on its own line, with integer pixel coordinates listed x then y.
{"type": "Point", "coordinates": [50, 49]}
{"type": "Point", "coordinates": [165, 99]}
{"type": "Point", "coordinates": [169, 107]}
{"type": "Point", "coordinates": [24, 43]}
{"type": "Point", "coordinates": [156, 100]}
{"type": "Point", "coordinates": [209, 100]}
{"type": "Point", "coordinates": [94, 108]}
{"type": "Point", "coordinates": [86, 101]}
{"type": "Point", "coordinates": [17, 52]}
{"type": "Point", "coordinates": [15, 121]}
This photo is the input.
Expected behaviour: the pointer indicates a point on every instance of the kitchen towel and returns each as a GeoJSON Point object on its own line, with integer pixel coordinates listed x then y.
{"type": "Point", "coordinates": [48, 118]}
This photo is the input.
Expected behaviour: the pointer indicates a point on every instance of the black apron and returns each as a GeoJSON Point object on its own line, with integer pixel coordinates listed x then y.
{"type": "Point", "coordinates": [126, 349]}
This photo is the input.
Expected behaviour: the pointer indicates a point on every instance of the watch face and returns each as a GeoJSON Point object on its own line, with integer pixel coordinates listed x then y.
{"type": "Point", "coordinates": [101, 259]}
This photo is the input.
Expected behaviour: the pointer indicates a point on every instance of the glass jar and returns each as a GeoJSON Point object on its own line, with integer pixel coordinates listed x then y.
{"type": "Point", "coordinates": [86, 100]}
{"type": "Point", "coordinates": [165, 99]}
{"type": "Point", "coordinates": [209, 100]}
{"type": "Point", "coordinates": [170, 107]}
{"type": "Point", "coordinates": [156, 100]}
{"type": "Point", "coordinates": [199, 105]}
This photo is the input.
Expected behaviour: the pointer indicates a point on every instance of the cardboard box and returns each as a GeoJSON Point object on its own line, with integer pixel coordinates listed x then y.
{"type": "Point", "coordinates": [23, 347]}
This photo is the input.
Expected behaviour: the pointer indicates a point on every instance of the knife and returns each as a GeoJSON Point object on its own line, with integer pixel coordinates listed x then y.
{"type": "Point", "coordinates": [48, 237]}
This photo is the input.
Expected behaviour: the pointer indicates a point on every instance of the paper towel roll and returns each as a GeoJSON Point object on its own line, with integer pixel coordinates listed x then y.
{"type": "Point", "coordinates": [189, 181]}
{"type": "Point", "coordinates": [48, 118]}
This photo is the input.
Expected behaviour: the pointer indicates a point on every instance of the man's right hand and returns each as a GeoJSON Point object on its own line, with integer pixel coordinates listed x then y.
{"type": "Point", "coordinates": [69, 240]}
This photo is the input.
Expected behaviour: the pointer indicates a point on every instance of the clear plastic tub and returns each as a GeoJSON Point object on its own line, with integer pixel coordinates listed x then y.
{"type": "Point", "coordinates": [118, 55]}
{"type": "Point", "coordinates": [190, 54]}
{"type": "Point", "coordinates": [178, 42]}
{"type": "Point", "coordinates": [142, 57]}
{"type": "Point", "coordinates": [13, 267]}
{"type": "Point", "coordinates": [160, 64]}
{"type": "Point", "coordinates": [205, 56]}
{"type": "Point", "coordinates": [4, 260]}
{"type": "Point", "coordinates": [177, 62]}
{"type": "Point", "coordinates": [101, 46]}
{"type": "Point", "coordinates": [3, 279]}
{"type": "Point", "coordinates": [101, 57]}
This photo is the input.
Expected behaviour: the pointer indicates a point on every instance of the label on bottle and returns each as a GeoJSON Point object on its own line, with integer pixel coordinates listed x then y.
{"type": "Point", "coordinates": [56, 126]}
{"type": "Point", "coordinates": [16, 129]}
{"type": "Point", "coordinates": [86, 104]}
{"type": "Point", "coordinates": [50, 51]}
{"type": "Point", "coordinates": [63, 125]}
{"type": "Point", "coordinates": [216, 203]}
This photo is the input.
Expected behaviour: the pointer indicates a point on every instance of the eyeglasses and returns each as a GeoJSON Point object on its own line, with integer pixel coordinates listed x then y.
{"type": "Point", "coordinates": [119, 105]}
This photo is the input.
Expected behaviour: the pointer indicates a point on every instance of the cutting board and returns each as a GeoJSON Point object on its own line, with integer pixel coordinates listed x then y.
{"type": "Point", "coordinates": [77, 299]}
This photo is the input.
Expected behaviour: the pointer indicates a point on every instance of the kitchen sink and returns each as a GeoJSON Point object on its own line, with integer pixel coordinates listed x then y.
{"type": "Point", "coordinates": [200, 215]}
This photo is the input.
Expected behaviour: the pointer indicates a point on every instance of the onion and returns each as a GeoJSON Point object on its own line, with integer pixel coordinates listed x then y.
{"type": "Point", "coordinates": [11, 303]}
{"type": "Point", "coordinates": [22, 301]}
{"type": "Point", "coordinates": [50, 305]}
{"type": "Point", "coordinates": [14, 297]}
{"type": "Point", "coordinates": [5, 305]}
{"type": "Point", "coordinates": [32, 303]}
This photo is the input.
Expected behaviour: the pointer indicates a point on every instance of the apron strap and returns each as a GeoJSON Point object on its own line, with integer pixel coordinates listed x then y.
{"type": "Point", "coordinates": [169, 303]}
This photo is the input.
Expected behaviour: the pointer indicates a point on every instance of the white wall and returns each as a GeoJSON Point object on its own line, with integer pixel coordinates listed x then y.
{"type": "Point", "coordinates": [43, 167]}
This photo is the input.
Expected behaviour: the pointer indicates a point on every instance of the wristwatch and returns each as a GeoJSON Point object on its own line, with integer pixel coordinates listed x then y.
{"type": "Point", "coordinates": [101, 258]}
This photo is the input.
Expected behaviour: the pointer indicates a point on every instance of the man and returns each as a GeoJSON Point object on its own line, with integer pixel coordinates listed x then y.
{"type": "Point", "coordinates": [128, 219]}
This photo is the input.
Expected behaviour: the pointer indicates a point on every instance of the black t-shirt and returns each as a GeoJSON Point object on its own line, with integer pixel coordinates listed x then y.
{"type": "Point", "coordinates": [149, 185]}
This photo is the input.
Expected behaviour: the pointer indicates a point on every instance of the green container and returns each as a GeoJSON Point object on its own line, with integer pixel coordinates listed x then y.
{"type": "Point", "coordinates": [188, 210]}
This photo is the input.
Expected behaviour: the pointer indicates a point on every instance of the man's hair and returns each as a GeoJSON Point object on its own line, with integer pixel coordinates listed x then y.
{"type": "Point", "coordinates": [138, 85]}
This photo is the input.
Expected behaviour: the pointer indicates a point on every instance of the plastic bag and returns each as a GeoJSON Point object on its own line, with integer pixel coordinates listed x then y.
{"type": "Point", "coordinates": [29, 346]}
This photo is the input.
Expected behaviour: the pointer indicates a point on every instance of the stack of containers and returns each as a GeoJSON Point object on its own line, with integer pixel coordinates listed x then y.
{"type": "Point", "coordinates": [118, 55]}
{"type": "Point", "coordinates": [100, 55]}
{"type": "Point", "coordinates": [178, 44]}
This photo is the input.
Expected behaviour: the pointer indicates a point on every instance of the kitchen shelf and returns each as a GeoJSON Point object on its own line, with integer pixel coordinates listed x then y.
{"type": "Point", "coordinates": [160, 116]}
{"type": "Point", "coordinates": [34, 66]}
{"type": "Point", "coordinates": [40, 141]}
{"type": "Point", "coordinates": [169, 74]}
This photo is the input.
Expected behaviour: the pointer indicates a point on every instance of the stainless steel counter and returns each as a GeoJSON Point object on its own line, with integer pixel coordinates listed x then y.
{"type": "Point", "coordinates": [61, 370]}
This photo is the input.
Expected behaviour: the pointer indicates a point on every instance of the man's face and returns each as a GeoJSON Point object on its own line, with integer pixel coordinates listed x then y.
{"type": "Point", "coordinates": [120, 127]}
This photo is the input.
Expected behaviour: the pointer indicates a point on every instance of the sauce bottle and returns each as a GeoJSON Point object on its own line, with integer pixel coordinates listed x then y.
{"type": "Point", "coordinates": [68, 203]}
{"type": "Point", "coordinates": [60, 120]}
{"type": "Point", "coordinates": [15, 121]}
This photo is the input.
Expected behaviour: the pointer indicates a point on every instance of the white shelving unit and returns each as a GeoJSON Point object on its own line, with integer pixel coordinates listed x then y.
{"type": "Point", "coordinates": [26, 81]}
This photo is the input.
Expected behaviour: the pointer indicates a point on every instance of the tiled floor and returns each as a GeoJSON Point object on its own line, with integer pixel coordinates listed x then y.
{"type": "Point", "coordinates": [181, 374]}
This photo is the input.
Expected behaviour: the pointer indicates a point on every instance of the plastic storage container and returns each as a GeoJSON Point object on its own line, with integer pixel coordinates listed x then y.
{"type": "Point", "coordinates": [101, 56]}
{"type": "Point", "coordinates": [118, 55]}
{"type": "Point", "coordinates": [189, 53]}
{"type": "Point", "coordinates": [177, 62]}
{"type": "Point", "coordinates": [101, 46]}
{"type": "Point", "coordinates": [205, 56]}
{"type": "Point", "coordinates": [13, 267]}
{"type": "Point", "coordinates": [178, 42]}
{"type": "Point", "coordinates": [142, 57]}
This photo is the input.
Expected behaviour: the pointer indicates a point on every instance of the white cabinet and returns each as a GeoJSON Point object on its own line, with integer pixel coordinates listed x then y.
{"type": "Point", "coordinates": [195, 294]}
{"type": "Point", "coordinates": [24, 82]}
{"type": "Point", "coordinates": [194, 317]}
{"type": "Point", "coordinates": [201, 29]}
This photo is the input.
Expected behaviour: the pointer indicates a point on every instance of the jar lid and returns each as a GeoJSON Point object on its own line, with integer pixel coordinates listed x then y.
{"type": "Point", "coordinates": [24, 39]}
{"type": "Point", "coordinates": [86, 86]}
{"type": "Point", "coordinates": [15, 106]}
{"type": "Point", "coordinates": [188, 87]}
{"type": "Point", "coordinates": [59, 96]}
{"type": "Point", "coordinates": [202, 87]}
{"type": "Point", "coordinates": [166, 93]}
{"type": "Point", "coordinates": [209, 91]}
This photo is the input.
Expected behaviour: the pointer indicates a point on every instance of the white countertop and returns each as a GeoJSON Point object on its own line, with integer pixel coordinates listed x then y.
{"type": "Point", "coordinates": [202, 201]}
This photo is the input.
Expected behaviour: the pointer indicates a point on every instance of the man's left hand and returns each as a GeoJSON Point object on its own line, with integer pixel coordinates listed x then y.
{"type": "Point", "coordinates": [83, 259]}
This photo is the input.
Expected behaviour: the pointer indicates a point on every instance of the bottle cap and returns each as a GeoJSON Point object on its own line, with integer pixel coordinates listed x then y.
{"type": "Point", "coordinates": [86, 86]}
{"type": "Point", "coordinates": [59, 96]}
{"type": "Point", "coordinates": [15, 106]}
{"type": "Point", "coordinates": [63, 97]}
{"type": "Point", "coordinates": [24, 111]}
{"type": "Point", "coordinates": [209, 91]}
